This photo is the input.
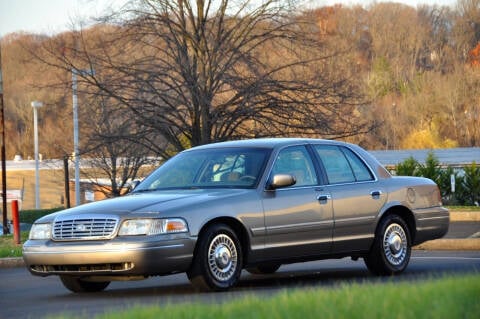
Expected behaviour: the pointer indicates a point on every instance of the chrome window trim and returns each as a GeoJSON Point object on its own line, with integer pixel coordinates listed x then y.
{"type": "Point", "coordinates": [349, 183]}
{"type": "Point", "coordinates": [273, 158]}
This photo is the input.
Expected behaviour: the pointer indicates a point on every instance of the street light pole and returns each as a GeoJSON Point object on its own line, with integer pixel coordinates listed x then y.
{"type": "Point", "coordinates": [76, 152]}
{"type": "Point", "coordinates": [36, 105]}
{"type": "Point", "coordinates": [75, 137]}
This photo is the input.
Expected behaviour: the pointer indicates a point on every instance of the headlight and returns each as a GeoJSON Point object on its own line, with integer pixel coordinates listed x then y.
{"type": "Point", "coordinates": [40, 231]}
{"type": "Point", "coordinates": [133, 227]}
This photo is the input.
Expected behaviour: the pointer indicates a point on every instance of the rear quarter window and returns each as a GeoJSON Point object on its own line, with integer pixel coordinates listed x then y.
{"type": "Point", "coordinates": [360, 170]}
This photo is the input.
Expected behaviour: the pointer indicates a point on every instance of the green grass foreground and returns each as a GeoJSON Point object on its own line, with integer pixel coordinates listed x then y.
{"type": "Point", "coordinates": [464, 208]}
{"type": "Point", "coordinates": [450, 297]}
{"type": "Point", "coordinates": [8, 248]}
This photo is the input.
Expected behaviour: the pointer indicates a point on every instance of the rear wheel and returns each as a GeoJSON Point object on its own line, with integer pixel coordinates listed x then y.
{"type": "Point", "coordinates": [391, 249]}
{"type": "Point", "coordinates": [217, 262]}
{"type": "Point", "coordinates": [76, 284]}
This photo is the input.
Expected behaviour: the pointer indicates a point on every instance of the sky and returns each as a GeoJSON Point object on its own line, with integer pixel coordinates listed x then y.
{"type": "Point", "coordinates": [48, 16]}
{"type": "Point", "coordinates": [53, 16]}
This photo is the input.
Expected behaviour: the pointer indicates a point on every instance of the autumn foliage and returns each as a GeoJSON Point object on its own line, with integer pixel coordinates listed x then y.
{"type": "Point", "coordinates": [474, 56]}
{"type": "Point", "coordinates": [386, 76]}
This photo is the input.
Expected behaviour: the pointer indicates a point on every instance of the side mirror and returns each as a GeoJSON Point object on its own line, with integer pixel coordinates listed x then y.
{"type": "Point", "coordinates": [280, 181]}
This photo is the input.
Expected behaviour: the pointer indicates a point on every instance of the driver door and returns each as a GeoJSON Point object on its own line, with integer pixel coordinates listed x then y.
{"type": "Point", "coordinates": [297, 222]}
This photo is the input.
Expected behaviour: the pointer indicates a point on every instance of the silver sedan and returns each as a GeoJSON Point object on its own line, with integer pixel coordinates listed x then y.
{"type": "Point", "coordinates": [214, 210]}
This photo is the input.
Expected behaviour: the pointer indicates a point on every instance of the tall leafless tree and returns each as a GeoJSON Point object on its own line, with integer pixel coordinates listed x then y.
{"type": "Point", "coordinates": [193, 72]}
{"type": "Point", "coordinates": [112, 151]}
{"type": "Point", "coordinates": [109, 134]}
{"type": "Point", "coordinates": [466, 29]}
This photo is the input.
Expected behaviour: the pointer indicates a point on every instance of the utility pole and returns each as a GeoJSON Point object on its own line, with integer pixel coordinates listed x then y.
{"type": "Point", "coordinates": [4, 165]}
{"type": "Point", "coordinates": [36, 105]}
{"type": "Point", "coordinates": [76, 152]}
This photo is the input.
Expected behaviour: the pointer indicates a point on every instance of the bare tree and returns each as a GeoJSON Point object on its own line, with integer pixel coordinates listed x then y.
{"type": "Point", "coordinates": [109, 137]}
{"type": "Point", "coordinates": [183, 73]}
{"type": "Point", "coordinates": [466, 28]}
{"type": "Point", "coordinates": [110, 147]}
{"type": "Point", "coordinates": [193, 72]}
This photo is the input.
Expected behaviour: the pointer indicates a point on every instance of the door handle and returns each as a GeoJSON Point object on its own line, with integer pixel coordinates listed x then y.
{"type": "Point", "coordinates": [376, 194]}
{"type": "Point", "coordinates": [324, 197]}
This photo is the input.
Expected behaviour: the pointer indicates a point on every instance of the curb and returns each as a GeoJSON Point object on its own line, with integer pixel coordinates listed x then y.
{"type": "Point", "coordinates": [450, 244]}
{"type": "Point", "coordinates": [11, 262]}
{"type": "Point", "coordinates": [465, 216]}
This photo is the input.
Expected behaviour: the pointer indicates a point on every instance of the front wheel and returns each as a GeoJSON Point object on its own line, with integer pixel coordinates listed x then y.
{"type": "Point", "coordinates": [76, 284]}
{"type": "Point", "coordinates": [217, 261]}
{"type": "Point", "coordinates": [391, 249]}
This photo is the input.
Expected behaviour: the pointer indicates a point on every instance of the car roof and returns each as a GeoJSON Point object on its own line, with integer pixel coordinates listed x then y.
{"type": "Point", "coordinates": [267, 143]}
{"type": "Point", "coordinates": [272, 143]}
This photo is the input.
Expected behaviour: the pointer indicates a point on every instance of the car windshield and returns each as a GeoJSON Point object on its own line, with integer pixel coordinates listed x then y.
{"type": "Point", "coordinates": [209, 168]}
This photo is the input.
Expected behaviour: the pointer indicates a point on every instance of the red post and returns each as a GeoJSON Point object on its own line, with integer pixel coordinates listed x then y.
{"type": "Point", "coordinates": [16, 222]}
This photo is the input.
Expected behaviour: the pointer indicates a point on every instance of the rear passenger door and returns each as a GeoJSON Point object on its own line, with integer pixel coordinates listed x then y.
{"type": "Point", "coordinates": [356, 196]}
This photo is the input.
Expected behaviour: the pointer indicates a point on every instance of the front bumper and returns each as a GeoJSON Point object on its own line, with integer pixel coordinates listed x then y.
{"type": "Point", "coordinates": [121, 256]}
{"type": "Point", "coordinates": [431, 223]}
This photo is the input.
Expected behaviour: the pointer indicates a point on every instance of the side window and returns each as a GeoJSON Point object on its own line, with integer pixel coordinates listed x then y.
{"type": "Point", "coordinates": [342, 165]}
{"type": "Point", "coordinates": [361, 171]}
{"type": "Point", "coordinates": [336, 165]}
{"type": "Point", "coordinates": [296, 161]}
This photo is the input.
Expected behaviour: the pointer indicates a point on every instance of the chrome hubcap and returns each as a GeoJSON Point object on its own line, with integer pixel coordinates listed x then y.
{"type": "Point", "coordinates": [395, 244]}
{"type": "Point", "coordinates": [222, 257]}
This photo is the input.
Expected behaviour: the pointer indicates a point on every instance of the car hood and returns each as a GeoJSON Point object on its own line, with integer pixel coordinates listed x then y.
{"type": "Point", "coordinates": [148, 202]}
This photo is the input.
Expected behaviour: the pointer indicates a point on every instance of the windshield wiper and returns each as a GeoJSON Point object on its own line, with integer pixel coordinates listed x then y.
{"type": "Point", "coordinates": [146, 190]}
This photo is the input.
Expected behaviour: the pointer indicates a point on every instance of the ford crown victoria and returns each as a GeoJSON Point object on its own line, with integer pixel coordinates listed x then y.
{"type": "Point", "coordinates": [214, 210]}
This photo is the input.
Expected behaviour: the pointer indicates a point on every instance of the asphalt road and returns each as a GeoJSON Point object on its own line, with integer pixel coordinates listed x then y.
{"type": "Point", "coordinates": [25, 296]}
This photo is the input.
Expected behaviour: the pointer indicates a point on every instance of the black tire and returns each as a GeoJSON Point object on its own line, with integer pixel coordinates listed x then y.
{"type": "Point", "coordinates": [217, 261]}
{"type": "Point", "coordinates": [263, 269]}
{"type": "Point", "coordinates": [78, 285]}
{"type": "Point", "coordinates": [391, 249]}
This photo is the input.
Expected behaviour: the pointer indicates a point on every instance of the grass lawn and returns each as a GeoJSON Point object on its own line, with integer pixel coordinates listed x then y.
{"type": "Point", "coordinates": [450, 297]}
{"type": "Point", "coordinates": [464, 208]}
{"type": "Point", "coordinates": [8, 248]}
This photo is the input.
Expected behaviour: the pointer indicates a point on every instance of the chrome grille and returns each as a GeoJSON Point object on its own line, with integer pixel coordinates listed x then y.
{"type": "Point", "coordinates": [84, 227]}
